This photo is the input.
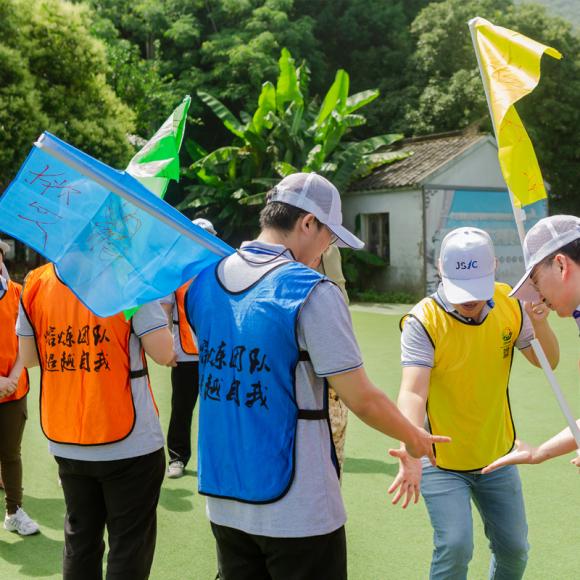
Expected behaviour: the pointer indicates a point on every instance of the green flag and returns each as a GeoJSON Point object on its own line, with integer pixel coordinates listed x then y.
{"type": "Point", "coordinates": [158, 160]}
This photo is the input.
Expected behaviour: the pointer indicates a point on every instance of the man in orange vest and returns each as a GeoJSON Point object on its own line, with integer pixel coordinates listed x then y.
{"type": "Point", "coordinates": [184, 376]}
{"type": "Point", "coordinates": [13, 391]}
{"type": "Point", "coordinates": [99, 414]}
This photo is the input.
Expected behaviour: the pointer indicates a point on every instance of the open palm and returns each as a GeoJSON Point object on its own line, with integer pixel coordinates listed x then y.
{"type": "Point", "coordinates": [522, 453]}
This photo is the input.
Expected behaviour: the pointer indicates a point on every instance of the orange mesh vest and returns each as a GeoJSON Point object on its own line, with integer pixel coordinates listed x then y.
{"type": "Point", "coordinates": [186, 336]}
{"type": "Point", "coordinates": [85, 392]}
{"type": "Point", "coordinates": [9, 340]}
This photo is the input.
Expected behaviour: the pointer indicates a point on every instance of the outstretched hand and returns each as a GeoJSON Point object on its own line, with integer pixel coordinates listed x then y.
{"type": "Point", "coordinates": [408, 480]}
{"type": "Point", "coordinates": [522, 453]}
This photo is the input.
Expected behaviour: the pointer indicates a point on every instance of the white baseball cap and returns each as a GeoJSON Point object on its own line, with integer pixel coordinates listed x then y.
{"type": "Point", "coordinates": [316, 195]}
{"type": "Point", "coordinates": [205, 224]}
{"type": "Point", "coordinates": [467, 263]}
{"type": "Point", "coordinates": [546, 237]}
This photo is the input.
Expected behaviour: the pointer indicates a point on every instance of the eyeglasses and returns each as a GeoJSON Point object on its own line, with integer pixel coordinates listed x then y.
{"type": "Point", "coordinates": [333, 237]}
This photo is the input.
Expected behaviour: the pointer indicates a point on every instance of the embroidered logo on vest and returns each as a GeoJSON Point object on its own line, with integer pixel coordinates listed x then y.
{"type": "Point", "coordinates": [506, 335]}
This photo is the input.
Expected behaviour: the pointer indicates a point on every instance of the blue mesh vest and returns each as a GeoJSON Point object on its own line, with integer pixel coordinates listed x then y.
{"type": "Point", "coordinates": [248, 353]}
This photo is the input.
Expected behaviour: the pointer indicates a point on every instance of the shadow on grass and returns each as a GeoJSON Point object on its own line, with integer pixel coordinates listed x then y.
{"type": "Point", "coordinates": [356, 465]}
{"type": "Point", "coordinates": [176, 500]}
{"type": "Point", "coordinates": [35, 555]}
{"type": "Point", "coordinates": [48, 512]}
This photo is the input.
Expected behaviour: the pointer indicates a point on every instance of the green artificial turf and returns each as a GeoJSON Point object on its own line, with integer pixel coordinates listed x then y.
{"type": "Point", "coordinates": [383, 541]}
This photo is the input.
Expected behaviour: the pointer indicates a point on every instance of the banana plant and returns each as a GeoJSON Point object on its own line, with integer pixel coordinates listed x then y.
{"type": "Point", "coordinates": [288, 132]}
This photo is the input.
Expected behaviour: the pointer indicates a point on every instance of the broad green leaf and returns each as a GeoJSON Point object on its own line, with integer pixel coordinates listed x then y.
{"type": "Point", "coordinates": [218, 156]}
{"type": "Point", "coordinates": [358, 100]}
{"type": "Point", "coordinates": [354, 120]}
{"type": "Point", "coordinates": [284, 169]}
{"type": "Point", "coordinates": [266, 104]}
{"type": "Point", "coordinates": [255, 199]}
{"type": "Point", "coordinates": [297, 120]}
{"type": "Point", "coordinates": [328, 168]}
{"type": "Point", "coordinates": [314, 159]}
{"type": "Point", "coordinates": [335, 97]}
{"type": "Point", "coordinates": [223, 113]}
{"type": "Point", "coordinates": [197, 196]}
{"type": "Point", "coordinates": [255, 141]}
{"type": "Point", "coordinates": [239, 193]}
{"type": "Point", "coordinates": [287, 88]}
{"type": "Point", "coordinates": [268, 182]}
{"type": "Point", "coordinates": [194, 149]}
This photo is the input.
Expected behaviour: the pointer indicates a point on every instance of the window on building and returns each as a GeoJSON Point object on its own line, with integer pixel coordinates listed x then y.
{"type": "Point", "coordinates": [377, 235]}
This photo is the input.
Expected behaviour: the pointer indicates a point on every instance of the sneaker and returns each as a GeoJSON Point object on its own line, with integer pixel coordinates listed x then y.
{"type": "Point", "coordinates": [21, 523]}
{"type": "Point", "coordinates": [175, 469]}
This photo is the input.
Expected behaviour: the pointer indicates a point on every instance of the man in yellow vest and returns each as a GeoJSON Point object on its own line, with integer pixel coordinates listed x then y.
{"type": "Point", "coordinates": [552, 254]}
{"type": "Point", "coordinates": [184, 376]}
{"type": "Point", "coordinates": [98, 412]}
{"type": "Point", "coordinates": [457, 347]}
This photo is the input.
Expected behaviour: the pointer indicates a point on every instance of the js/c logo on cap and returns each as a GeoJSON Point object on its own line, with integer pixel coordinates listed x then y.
{"type": "Point", "coordinates": [471, 265]}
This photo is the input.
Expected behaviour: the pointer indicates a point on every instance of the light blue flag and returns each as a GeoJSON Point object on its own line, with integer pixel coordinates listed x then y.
{"type": "Point", "coordinates": [113, 251]}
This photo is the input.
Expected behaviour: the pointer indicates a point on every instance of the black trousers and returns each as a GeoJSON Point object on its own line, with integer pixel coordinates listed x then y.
{"type": "Point", "coordinates": [185, 388]}
{"type": "Point", "coordinates": [243, 556]}
{"type": "Point", "coordinates": [121, 495]}
{"type": "Point", "coordinates": [13, 417]}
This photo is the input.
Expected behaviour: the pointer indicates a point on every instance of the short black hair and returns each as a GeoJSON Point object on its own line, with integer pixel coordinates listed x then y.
{"type": "Point", "coordinates": [278, 215]}
{"type": "Point", "coordinates": [572, 250]}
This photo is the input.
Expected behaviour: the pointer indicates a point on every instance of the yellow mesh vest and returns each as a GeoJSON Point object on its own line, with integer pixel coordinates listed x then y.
{"type": "Point", "coordinates": [468, 391]}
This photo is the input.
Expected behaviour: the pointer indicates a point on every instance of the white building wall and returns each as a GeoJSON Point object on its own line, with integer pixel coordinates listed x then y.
{"type": "Point", "coordinates": [477, 167]}
{"type": "Point", "coordinates": [405, 211]}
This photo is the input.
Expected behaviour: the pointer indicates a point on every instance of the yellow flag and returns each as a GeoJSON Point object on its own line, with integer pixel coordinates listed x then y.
{"type": "Point", "coordinates": [510, 64]}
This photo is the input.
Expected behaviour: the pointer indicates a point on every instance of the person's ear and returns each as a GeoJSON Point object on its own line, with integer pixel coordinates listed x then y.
{"type": "Point", "coordinates": [308, 221]}
{"type": "Point", "coordinates": [563, 263]}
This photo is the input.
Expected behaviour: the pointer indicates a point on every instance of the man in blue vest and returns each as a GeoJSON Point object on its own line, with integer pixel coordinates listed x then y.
{"type": "Point", "coordinates": [268, 349]}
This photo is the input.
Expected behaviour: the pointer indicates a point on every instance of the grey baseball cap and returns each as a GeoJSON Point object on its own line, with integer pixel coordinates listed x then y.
{"type": "Point", "coordinates": [316, 195]}
{"type": "Point", "coordinates": [546, 237]}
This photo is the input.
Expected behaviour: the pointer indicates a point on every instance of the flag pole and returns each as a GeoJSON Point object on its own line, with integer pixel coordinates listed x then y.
{"type": "Point", "coordinates": [519, 217]}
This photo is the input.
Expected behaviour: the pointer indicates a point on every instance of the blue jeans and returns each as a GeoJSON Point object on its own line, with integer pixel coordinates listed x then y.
{"type": "Point", "coordinates": [498, 498]}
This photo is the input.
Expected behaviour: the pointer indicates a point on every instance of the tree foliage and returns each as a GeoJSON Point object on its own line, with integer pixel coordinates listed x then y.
{"type": "Point", "coordinates": [288, 132]}
{"type": "Point", "coordinates": [371, 39]}
{"type": "Point", "coordinates": [227, 47]}
{"type": "Point", "coordinates": [52, 77]}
